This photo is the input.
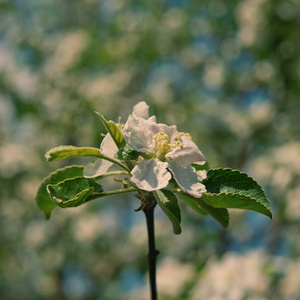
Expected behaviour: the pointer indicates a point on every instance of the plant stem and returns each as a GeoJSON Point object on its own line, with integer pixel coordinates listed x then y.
{"type": "Point", "coordinates": [114, 162]}
{"type": "Point", "coordinates": [112, 174]}
{"type": "Point", "coordinates": [110, 193]}
{"type": "Point", "coordinates": [152, 254]}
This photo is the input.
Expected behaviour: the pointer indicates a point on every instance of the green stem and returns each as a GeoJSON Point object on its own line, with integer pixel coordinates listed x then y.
{"type": "Point", "coordinates": [112, 174]}
{"type": "Point", "coordinates": [115, 162]}
{"type": "Point", "coordinates": [152, 254]}
{"type": "Point", "coordinates": [110, 193]}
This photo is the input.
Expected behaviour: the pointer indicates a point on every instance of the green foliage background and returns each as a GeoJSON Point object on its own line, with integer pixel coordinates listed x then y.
{"type": "Point", "coordinates": [227, 72]}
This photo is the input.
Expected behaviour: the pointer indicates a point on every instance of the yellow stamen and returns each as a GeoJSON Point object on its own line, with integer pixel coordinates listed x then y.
{"type": "Point", "coordinates": [185, 134]}
{"type": "Point", "coordinates": [163, 145]}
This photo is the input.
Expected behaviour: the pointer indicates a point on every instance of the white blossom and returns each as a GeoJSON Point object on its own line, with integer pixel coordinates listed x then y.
{"type": "Point", "coordinates": [165, 152]}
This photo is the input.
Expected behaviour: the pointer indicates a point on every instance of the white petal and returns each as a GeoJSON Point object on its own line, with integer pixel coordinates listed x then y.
{"type": "Point", "coordinates": [186, 179]}
{"type": "Point", "coordinates": [138, 133]}
{"type": "Point", "coordinates": [96, 168]}
{"type": "Point", "coordinates": [151, 174]}
{"type": "Point", "coordinates": [189, 154]}
{"type": "Point", "coordinates": [108, 146]}
{"type": "Point", "coordinates": [152, 119]}
{"type": "Point", "coordinates": [100, 166]}
{"type": "Point", "coordinates": [169, 130]}
{"type": "Point", "coordinates": [201, 175]}
{"type": "Point", "coordinates": [141, 110]}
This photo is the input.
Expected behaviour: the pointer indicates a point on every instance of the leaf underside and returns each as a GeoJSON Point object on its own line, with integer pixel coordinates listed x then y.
{"type": "Point", "coordinates": [198, 204]}
{"type": "Point", "coordinates": [113, 130]}
{"type": "Point", "coordinates": [169, 204]}
{"type": "Point", "coordinates": [63, 152]}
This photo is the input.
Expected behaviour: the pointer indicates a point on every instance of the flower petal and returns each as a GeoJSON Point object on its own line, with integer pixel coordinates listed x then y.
{"type": "Point", "coordinates": [186, 178]}
{"type": "Point", "coordinates": [141, 110]}
{"type": "Point", "coordinates": [201, 175]}
{"type": "Point", "coordinates": [189, 153]}
{"type": "Point", "coordinates": [96, 168]}
{"type": "Point", "coordinates": [152, 119]}
{"type": "Point", "coordinates": [169, 130]}
{"type": "Point", "coordinates": [151, 174]}
{"type": "Point", "coordinates": [138, 134]}
{"type": "Point", "coordinates": [100, 166]}
{"type": "Point", "coordinates": [108, 147]}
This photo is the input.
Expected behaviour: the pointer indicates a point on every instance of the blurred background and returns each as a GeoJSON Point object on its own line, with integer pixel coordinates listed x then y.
{"type": "Point", "coordinates": [227, 72]}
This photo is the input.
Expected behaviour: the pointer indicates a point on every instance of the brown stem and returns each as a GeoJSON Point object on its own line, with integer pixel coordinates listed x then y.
{"type": "Point", "coordinates": [152, 254]}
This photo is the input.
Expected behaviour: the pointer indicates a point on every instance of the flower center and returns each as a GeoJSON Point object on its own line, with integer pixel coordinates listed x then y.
{"type": "Point", "coordinates": [163, 145]}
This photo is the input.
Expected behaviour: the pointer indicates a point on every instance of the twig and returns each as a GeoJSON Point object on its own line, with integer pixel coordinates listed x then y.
{"type": "Point", "coordinates": [152, 254]}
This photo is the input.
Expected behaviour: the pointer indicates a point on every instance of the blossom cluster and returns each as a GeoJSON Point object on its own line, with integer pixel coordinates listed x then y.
{"type": "Point", "coordinates": [164, 154]}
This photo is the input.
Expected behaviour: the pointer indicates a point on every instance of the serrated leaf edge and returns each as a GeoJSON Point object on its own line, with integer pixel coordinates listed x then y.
{"type": "Point", "coordinates": [59, 202]}
{"type": "Point", "coordinates": [243, 174]}
{"type": "Point", "coordinates": [48, 177]}
{"type": "Point", "coordinates": [231, 194]}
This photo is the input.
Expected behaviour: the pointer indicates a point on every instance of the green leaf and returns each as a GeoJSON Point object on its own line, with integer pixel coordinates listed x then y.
{"type": "Point", "coordinates": [205, 167]}
{"type": "Point", "coordinates": [113, 130]}
{"type": "Point", "coordinates": [219, 214]}
{"type": "Point", "coordinates": [73, 192]}
{"type": "Point", "coordinates": [43, 200]}
{"type": "Point", "coordinates": [169, 205]}
{"type": "Point", "coordinates": [228, 188]}
{"type": "Point", "coordinates": [193, 203]}
{"type": "Point", "coordinates": [127, 153]}
{"type": "Point", "coordinates": [63, 152]}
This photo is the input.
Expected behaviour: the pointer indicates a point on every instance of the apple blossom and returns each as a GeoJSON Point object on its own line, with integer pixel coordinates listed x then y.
{"type": "Point", "coordinates": [164, 152]}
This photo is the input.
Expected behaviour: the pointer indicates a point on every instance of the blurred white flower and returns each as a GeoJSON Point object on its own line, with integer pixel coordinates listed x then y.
{"type": "Point", "coordinates": [290, 285]}
{"type": "Point", "coordinates": [68, 49]}
{"type": "Point", "coordinates": [293, 203]}
{"type": "Point", "coordinates": [214, 72]}
{"type": "Point", "coordinates": [249, 17]}
{"type": "Point", "coordinates": [15, 158]}
{"type": "Point", "coordinates": [170, 271]}
{"type": "Point", "coordinates": [234, 277]}
{"type": "Point", "coordinates": [288, 155]}
{"type": "Point", "coordinates": [89, 226]}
